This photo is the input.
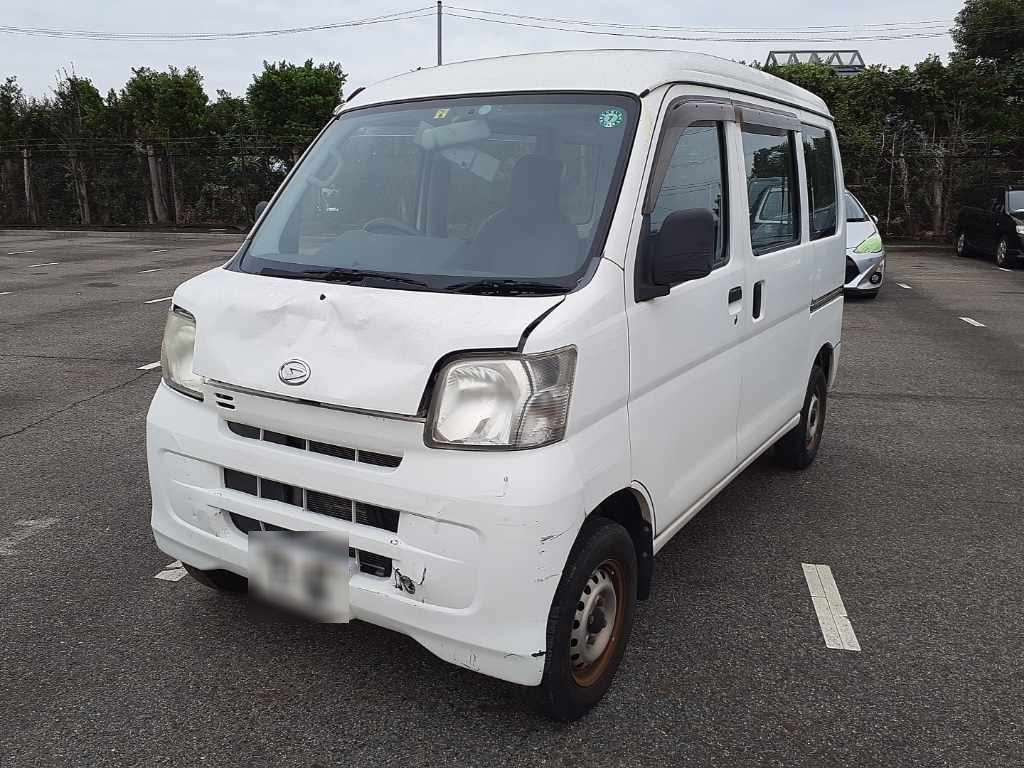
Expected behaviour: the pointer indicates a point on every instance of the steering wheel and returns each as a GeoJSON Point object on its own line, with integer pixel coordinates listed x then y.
{"type": "Point", "coordinates": [388, 226]}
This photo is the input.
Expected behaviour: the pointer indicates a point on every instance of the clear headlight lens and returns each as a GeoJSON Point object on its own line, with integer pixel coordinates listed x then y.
{"type": "Point", "coordinates": [503, 402]}
{"type": "Point", "coordinates": [176, 353]}
{"type": "Point", "coordinates": [1020, 229]}
{"type": "Point", "coordinates": [870, 244]}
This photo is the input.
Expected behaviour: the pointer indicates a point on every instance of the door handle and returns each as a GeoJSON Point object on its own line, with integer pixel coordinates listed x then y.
{"type": "Point", "coordinates": [758, 293]}
{"type": "Point", "coordinates": [735, 294]}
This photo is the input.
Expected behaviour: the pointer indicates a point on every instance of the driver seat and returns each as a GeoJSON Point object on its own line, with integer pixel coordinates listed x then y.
{"type": "Point", "coordinates": [529, 237]}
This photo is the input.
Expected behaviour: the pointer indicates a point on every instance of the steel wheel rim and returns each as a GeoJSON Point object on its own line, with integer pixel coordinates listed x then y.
{"type": "Point", "coordinates": [813, 419]}
{"type": "Point", "coordinates": [1001, 253]}
{"type": "Point", "coordinates": [597, 623]}
{"type": "Point", "coordinates": [960, 242]}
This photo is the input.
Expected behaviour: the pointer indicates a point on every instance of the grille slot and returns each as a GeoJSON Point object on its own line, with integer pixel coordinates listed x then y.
{"type": "Point", "coordinates": [852, 270]}
{"type": "Point", "coordinates": [225, 401]}
{"type": "Point", "coordinates": [331, 506]}
{"type": "Point", "coordinates": [347, 453]}
{"type": "Point", "coordinates": [319, 503]}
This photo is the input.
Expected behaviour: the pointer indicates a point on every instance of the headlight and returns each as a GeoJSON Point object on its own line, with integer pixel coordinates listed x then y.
{"type": "Point", "coordinates": [1020, 229]}
{"type": "Point", "coordinates": [177, 351]}
{"type": "Point", "coordinates": [502, 402]}
{"type": "Point", "coordinates": [870, 244]}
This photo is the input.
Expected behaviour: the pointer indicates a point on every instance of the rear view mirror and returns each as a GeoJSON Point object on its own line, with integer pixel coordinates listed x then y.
{"type": "Point", "coordinates": [685, 247]}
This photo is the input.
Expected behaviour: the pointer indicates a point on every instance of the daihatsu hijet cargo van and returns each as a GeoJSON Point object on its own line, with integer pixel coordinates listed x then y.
{"type": "Point", "coordinates": [507, 326]}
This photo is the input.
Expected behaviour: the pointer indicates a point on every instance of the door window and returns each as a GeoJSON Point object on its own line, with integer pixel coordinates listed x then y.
{"type": "Point", "coordinates": [696, 180]}
{"type": "Point", "coordinates": [821, 181]}
{"type": "Point", "coordinates": [772, 192]}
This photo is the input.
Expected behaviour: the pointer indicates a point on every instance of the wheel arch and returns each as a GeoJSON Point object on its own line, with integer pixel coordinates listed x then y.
{"type": "Point", "coordinates": [630, 509]}
{"type": "Point", "coordinates": [825, 358]}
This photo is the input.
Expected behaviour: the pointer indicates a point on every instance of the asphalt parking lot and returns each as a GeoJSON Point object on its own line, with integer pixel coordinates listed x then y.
{"type": "Point", "coordinates": [916, 503]}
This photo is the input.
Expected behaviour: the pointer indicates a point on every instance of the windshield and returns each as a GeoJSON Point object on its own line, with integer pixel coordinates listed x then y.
{"type": "Point", "coordinates": [1015, 198]}
{"type": "Point", "coordinates": [854, 210]}
{"type": "Point", "coordinates": [495, 194]}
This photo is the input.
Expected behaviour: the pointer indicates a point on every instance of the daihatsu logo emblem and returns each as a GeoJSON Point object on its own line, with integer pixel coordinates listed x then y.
{"type": "Point", "coordinates": [294, 372]}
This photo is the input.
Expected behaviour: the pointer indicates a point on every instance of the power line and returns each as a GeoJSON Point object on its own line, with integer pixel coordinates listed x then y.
{"type": "Point", "coordinates": [802, 29]}
{"type": "Point", "coordinates": [85, 34]}
{"type": "Point", "coordinates": [701, 38]}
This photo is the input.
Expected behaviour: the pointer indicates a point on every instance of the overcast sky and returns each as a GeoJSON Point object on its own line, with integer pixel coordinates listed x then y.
{"type": "Point", "coordinates": [373, 52]}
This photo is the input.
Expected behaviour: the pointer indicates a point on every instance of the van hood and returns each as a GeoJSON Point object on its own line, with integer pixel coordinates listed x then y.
{"type": "Point", "coordinates": [366, 348]}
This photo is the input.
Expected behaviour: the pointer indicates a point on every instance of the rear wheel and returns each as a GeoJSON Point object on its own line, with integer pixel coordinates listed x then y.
{"type": "Point", "coordinates": [222, 581]}
{"type": "Point", "coordinates": [962, 249]}
{"type": "Point", "coordinates": [590, 620]}
{"type": "Point", "coordinates": [1003, 254]}
{"type": "Point", "coordinates": [799, 446]}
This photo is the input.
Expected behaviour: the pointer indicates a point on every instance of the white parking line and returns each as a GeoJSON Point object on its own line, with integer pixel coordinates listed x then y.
{"type": "Point", "coordinates": [904, 285]}
{"type": "Point", "coordinates": [16, 253]}
{"type": "Point", "coordinates": [972, 321]}
{"type": "Point", "coordinates": [47, 264]}
{"type": "Point", "coordinates": [828, 606]}
{"type": "Point", "coordinates": [159, 250]}
{"type": "Point", "coordinates": [5, 293]}
{"type": "Point", "coordinates": [28, 528]}
{"type": "Point", "coordinates": [1004, 269]}
{"type": "Point", "coordinates": [149, 366]}
{"type": "Point", "coordinates": [157, 301]}
{"type": "Point", "coordinates": [172, 572]}
{"type": "Point", "coordinates": [147, 271]}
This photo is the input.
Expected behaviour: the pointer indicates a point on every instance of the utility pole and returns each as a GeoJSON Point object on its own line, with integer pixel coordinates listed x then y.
{"type": "Point", "coordinates": [29, 206]}
{"type": "Point", "coordinates": [439, 33]}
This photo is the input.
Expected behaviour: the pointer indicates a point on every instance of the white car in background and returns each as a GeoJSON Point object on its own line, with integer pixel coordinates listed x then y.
{"type": "Point", "coordinates": [865, 253]}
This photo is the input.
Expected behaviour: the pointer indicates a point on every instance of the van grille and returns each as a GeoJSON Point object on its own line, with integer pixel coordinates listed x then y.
{"type": "Point", "coordinates": [319, 503]}
{"type": "Point", "coordinates": [372, 458]}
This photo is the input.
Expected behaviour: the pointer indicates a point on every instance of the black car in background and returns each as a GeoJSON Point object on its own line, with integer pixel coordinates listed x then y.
{"type": "Point", "coordinates": [992, 222]}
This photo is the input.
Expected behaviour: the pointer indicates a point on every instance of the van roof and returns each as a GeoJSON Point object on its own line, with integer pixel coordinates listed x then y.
{"type": "Point", "coordinates": [622, 70]}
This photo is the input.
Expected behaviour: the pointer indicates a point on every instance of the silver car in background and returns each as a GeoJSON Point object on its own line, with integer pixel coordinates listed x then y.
{"type": "Point", "coordinates": [865, 253]}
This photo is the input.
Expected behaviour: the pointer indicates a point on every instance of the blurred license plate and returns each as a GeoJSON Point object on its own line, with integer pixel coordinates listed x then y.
{"type": "Point", "coordinates": [307, 572]}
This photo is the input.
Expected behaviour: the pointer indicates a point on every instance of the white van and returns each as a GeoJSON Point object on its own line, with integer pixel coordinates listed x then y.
{"type": "Point", "coordinates": [538, 327]}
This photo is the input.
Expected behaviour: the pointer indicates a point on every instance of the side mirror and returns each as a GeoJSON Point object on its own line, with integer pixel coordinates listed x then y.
{"type": "Point", "coordinates": [685, 249]}
{"type": "Point", "coordinates": [874, 219]}
{"type": "Point", "coordinates": [260, 208]}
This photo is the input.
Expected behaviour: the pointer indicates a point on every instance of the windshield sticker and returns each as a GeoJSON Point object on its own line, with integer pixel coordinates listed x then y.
{"type": "Point", "coordinates": [611, 118]}
{"type": "Point", "coordinates": [441, 114]}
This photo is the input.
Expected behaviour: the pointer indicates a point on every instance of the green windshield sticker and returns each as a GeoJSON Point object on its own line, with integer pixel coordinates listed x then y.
{"type": "Point", "coordinates": [611, 118]}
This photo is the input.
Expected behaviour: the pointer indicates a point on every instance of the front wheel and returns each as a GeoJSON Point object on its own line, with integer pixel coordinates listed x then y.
{"type": "Point", "coordinates": [799, 446]}
{"type": "Point", "coordinates": [222, 581]}
{"type": "Point", "coordinates": [962, 249]}
{"type": "Point", "coordinates": [590, 620]}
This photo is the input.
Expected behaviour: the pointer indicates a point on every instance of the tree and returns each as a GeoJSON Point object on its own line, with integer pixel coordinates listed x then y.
{"type": "Point", "coordinates": [290, 103]}
{"type": "Point", "coordinates": [165, 107]}
{"type": "Point", "coordinates": [78, 112]}
{"type": "Point", "coordinates": [990, 29]}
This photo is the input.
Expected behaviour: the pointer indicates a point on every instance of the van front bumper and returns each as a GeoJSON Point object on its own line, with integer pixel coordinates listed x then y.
{"type": "Point", "coordinates": [484, 535]}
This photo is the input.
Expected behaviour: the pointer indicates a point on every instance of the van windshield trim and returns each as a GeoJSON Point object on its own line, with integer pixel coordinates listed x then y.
{"type": "Point", "coordinates": [246, 262]}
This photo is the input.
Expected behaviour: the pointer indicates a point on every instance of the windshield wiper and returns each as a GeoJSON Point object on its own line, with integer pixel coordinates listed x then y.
{"type": "Point", "coordinates": [342, 275]}
{"type": "Point", "coordinates": [506, 287]}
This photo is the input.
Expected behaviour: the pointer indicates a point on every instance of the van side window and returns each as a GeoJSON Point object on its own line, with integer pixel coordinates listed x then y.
{"type": "Point", "coordinates": [772, 193]}
{"type": "Point", "coordinates": [821, 180]}
{"type": "Point", "coordinates": [696, 179]}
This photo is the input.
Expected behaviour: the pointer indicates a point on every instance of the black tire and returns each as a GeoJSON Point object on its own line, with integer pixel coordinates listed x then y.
{"type": "Point", "coordinates": [222, 581]}
{"type": "Point", "coordinates": [602, 558]}
{"type": "Point", "coordinates": [963, 250]}
{"type": "Point", "coordinates": [1003, 257]}
{"type": "Point", "coordinates": [799, 446]}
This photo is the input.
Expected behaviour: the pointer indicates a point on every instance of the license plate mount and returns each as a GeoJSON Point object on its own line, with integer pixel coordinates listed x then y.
{"type": "Point", "coordinates": [304, 571]}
